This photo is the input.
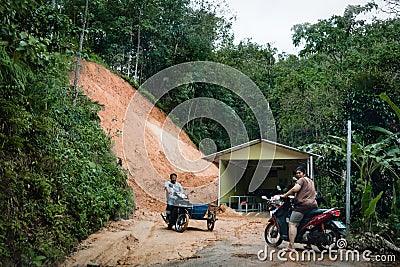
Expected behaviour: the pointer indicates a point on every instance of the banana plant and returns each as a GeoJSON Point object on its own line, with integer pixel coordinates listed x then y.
{"type": "Point", "coordinates": [368, 205]}
{"type": "Point", "coordinates": [380, 156]}
{"type": "Point", "coordinates": [395, 108]}
{"type": "Point", "coordinates": [396, 186]}
{"type": "Point", "coordinates": [368, 158]}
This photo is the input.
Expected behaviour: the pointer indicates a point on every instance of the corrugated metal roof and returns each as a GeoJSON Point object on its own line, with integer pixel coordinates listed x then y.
{"type": "Point", "coordinates": [215, 156]}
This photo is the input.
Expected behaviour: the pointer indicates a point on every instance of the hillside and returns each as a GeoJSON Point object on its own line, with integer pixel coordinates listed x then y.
{"type": "Point", "coordinates": [148, 164]}
{"type": "Point", "coordinates": [141, 239]}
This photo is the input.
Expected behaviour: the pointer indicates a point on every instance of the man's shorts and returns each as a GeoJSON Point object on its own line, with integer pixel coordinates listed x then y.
{"type": "Point", "coordinates": [296, 217]}
{"type": "Point", "coordinates": [169, 209]}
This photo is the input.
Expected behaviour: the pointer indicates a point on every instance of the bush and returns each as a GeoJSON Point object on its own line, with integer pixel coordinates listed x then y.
{"type": "Point", "coordinates": [59, 181]}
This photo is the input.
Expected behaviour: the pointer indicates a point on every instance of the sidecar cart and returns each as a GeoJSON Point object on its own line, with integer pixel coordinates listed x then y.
{"type": "Point", "coordinates": [181, 215]}
{"type": "Point", "coordinates": [205, 212]}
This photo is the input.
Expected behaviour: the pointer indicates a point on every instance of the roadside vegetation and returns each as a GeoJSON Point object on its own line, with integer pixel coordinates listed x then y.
{"type": "Point", "coordinates": [59, 180]}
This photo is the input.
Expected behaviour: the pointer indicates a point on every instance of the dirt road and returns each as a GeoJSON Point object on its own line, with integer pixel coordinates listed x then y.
{"type": "Point", "coordinates": [236, 241]}
{"type": "Point", "coordinates": [145, 240]}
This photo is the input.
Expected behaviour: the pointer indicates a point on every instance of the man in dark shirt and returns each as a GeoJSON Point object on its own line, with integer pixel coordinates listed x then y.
{"type": "Point", "coordinates": [304, 202]}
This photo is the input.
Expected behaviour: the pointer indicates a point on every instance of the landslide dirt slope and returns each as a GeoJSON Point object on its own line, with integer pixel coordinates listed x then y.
{"type": "Point", "coordinates": [144, 238]}
{"type": "Point", "coordinates": [147, 163]}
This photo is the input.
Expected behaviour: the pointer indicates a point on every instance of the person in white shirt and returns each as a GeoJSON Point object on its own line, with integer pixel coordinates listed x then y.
{"type": "Point", "coordinates": [172, 187]}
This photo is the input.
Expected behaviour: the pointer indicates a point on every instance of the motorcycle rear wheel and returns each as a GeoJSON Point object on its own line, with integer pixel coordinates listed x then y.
{"type": "Point", "coordinates": [272, 235]}
{"type": "Point", "coordinates": [332, 238]}
{"type": "Point", "coordinates": [182, 222]}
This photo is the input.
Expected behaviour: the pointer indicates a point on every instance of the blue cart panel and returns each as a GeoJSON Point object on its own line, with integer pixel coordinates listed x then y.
{"type": "Point", "coordinates": [199, 210]}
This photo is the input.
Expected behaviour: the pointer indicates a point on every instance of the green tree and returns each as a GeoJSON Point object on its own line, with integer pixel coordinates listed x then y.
{"type": "Point", "coordinates": [54, 156]}
{"type": "Point", "coordinates": [306, 100]}
{"type": "Point", "coordinates": [333, 36]}
{"type": "Point", "coordinates": [344, 65]}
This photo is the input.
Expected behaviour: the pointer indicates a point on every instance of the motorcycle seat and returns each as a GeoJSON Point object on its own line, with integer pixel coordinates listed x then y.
{"type": "Point", "coordinates": [314, 212]}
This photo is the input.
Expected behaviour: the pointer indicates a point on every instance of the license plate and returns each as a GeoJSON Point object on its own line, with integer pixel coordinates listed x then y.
{"type": "Point", "coordinates": [339, 224]}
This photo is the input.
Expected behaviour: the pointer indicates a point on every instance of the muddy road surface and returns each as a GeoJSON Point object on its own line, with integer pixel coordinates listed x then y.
{"type": "Point", "coordinates": [236, 240]}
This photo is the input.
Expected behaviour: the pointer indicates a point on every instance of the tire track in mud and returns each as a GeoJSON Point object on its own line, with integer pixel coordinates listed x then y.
{"type": "Point", "coordinates": [146, 241]}
{"type": "Point", "coordinates": [166, 245]}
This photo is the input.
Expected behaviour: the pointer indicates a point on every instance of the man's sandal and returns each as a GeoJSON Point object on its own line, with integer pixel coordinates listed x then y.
{"type": "Point", "coordinates": [289, 249]}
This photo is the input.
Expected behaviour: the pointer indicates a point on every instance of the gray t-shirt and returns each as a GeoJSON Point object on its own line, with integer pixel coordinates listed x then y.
{"type": "Point", "coordinates": [170, 188]}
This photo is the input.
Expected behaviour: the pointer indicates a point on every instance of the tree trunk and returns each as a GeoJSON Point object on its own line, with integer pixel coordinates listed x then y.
{"type": "Point", "coordinates": [129, 52]}
{"type": "Point", "coordinates": [78, 61]}
{"type": "Point", "coordinates": [137, 54]}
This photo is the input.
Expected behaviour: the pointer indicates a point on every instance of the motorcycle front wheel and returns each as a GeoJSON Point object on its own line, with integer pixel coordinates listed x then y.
{"type": "Point", "coordinates": [272, 235]}
{"type": "Point", "coordinates": [182, 222]}
{"type": "Point", "coordinates": [211, 218]}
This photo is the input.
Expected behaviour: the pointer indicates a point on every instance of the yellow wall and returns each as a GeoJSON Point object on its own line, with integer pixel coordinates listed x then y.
{"type": "Point", "coordinates": [230, 175]}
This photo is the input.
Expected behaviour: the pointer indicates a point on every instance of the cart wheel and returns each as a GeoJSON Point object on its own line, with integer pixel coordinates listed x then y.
{"type": "Point", "coordinates": [210, 224]}
{"type": "Point", "coordinates": [182, 222]}
{"type": "Point", "coordinates": [211, 220]}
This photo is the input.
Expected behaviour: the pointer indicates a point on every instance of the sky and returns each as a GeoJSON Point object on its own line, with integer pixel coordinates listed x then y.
{"type": "Point", "coordinates": [270, 21]}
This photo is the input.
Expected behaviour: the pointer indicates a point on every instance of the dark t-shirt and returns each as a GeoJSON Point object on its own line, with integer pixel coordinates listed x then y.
{"type": "Point", "coordinates": [305, 201]}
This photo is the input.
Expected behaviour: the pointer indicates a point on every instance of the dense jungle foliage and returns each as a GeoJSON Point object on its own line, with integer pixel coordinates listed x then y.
{"type": "Point", "coordinates": [59, 180]}
{"type": "Point", "coordinates": [55, 158]}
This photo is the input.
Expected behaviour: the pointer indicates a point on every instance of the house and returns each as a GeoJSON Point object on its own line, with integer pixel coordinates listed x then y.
{"type": "Point", "coordinates": [253, 169]}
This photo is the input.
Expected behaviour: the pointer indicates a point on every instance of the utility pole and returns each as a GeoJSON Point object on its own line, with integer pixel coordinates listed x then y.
{"type": "Point", "coordinates": [348, 177]}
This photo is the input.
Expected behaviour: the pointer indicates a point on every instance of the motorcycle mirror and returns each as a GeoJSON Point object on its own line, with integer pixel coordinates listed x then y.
{"type": "Point", "coordinates": [279, 188]}
{"type": "Point", "coordinates": [294, 178]}
{"type": "Point", "coordinates": [264, 197]}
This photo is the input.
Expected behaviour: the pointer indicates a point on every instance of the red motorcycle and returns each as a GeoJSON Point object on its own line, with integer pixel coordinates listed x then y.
{"type": "Point", "coordinates": [319, 227]}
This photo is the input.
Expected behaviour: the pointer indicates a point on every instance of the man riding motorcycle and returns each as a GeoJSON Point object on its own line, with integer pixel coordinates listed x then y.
{"type": "Point", "coordinates": [304, 202]}
{"type": "Point", "coordinates": [171, 188]}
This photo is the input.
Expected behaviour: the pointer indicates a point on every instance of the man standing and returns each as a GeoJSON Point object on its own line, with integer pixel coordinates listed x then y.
{"type": "Point", "coordinates": [304, 202]}
{"type": "Point", "coordinates": [172, 187]}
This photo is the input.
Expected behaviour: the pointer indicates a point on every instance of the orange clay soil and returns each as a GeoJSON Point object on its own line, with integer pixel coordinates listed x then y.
{"type": "Point", "coordinates": [145, 159]}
